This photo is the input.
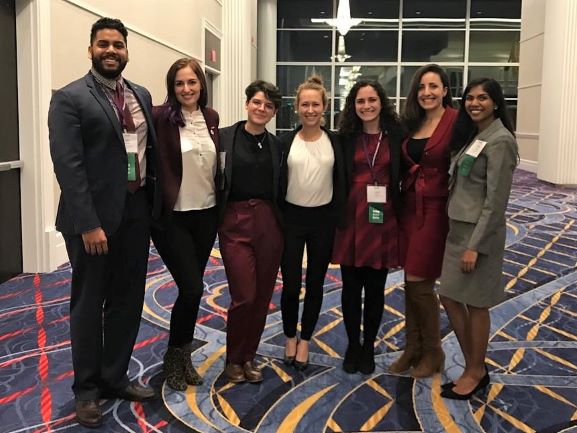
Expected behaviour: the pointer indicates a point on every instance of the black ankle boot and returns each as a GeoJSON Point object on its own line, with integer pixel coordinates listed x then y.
{"type": "Point", "coordinates": [351, 360]}
{"type": "Point", "coordinates": [174, 368]}
{"type": "Point", "coordinates": [367, 358]}
{"type": "Point", "coordinates": [191, 376]}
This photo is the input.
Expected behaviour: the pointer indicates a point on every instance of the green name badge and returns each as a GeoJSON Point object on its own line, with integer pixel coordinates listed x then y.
{"type": "Point", "coordinates": [376, 213]}
{"type": "Point", "coordinates": [131, 166]}
{"type": "Point", "coordinates": [466, 165]}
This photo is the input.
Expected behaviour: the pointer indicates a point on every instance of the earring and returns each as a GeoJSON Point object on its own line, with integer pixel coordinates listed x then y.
{"type": "Point", "coordinates": [495, 107]}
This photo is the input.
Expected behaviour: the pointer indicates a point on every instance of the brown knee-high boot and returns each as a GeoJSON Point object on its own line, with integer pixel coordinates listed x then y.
{"type": "Point", "coordinates": [412, 353]}
{"type": "Point", "coordinates": [427, 311]}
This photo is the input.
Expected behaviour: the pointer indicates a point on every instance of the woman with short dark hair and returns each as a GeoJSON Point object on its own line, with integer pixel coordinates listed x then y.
{"type": "Point", "coordinates": [250, 236]}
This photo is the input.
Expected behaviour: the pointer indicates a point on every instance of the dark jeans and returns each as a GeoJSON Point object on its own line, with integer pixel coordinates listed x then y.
{"type": "Point", "coordinates": [184, 246]}
{"type": "Point", "coordinates": [373, 281]}
{"type": "Point", "coordinates": [303, 229]}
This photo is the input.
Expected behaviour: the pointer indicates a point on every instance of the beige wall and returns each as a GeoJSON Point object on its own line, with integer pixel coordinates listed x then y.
{"type": "Point", "coordinates": [530, 81]}
{"type": "Point", "coordinates": [159, 32]}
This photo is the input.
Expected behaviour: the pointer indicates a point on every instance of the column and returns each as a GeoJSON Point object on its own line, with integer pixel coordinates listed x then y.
{"type": "Point", "coordinates": [266, 45]}
{"type": "Point", "coordinates": [237, 38]}
{"type": "Point", "coordinates": [558, 125]}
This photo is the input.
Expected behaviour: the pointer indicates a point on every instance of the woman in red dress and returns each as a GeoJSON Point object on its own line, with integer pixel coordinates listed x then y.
{"type": "Point", "coordinates": [367, 247]}
{"type": "Point", "coordinates": [428, 119]}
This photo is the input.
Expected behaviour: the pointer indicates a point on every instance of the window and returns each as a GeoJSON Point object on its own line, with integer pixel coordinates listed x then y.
{"type": "Point", "coordinates": [393, 40]}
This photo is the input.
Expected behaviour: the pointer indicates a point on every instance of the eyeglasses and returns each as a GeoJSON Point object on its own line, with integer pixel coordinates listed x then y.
{"type": "Point", "coordinates": [257, 103]}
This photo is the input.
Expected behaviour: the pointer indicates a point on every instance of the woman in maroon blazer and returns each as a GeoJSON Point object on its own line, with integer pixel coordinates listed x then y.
{"type": "Point", "coordinates": [428, 120]}
{"type": "Point", "coordinates": [187, 134]}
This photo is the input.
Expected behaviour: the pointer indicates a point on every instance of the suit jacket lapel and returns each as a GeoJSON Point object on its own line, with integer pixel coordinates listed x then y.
{"type": "Point", "coordinates": [101, 98]}
{"type": "Point", "coordinates": [275, 153]}
{"type": "Point", "coordinates": [441, 130]}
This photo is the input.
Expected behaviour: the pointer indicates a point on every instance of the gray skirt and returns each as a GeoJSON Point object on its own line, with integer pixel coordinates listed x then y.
{"type": "Point", "coordinates": [484, 286]}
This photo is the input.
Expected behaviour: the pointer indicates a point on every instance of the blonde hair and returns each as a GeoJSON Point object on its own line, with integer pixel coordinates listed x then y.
{"type": "Point", "coordinates": [314, 82]}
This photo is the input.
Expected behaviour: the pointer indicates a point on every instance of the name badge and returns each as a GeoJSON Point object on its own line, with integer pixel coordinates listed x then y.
{"type": "Point", "coordinates": [222, 160]}
{"type": "Point", "coordinates": [376, 194]}
{"type": "Point", "coordinates": [476, 148]}
{"type": "Point", "coordinates": [376, 213]}
{"type": "Point", "coordinates": [131, 142]}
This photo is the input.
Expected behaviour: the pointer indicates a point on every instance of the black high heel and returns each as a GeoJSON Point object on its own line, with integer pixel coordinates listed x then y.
{"type": "Point", "coordinates": [300, 365]}
{"type": "Point", "coordinates": [451, 384]}
{"type": "Point", "coordinates": [451, 394]}
{"type": "Point", "coordinates": [289, 360]}
{"type": "Point", "coordinates": [448, 385]}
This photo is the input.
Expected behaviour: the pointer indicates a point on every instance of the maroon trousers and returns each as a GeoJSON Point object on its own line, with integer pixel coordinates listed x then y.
{"type": "Point", "coordinates": [251, 245]}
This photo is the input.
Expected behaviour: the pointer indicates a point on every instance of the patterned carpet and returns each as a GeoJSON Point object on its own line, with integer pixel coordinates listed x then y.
{"type": "Point", "coordinates": [532, 353]}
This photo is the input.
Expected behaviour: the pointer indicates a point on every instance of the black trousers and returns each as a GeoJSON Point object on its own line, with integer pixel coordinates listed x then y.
{"type": "Point", "coordinates": [184, 246]}
{"type": "Point", "coordinates": [106, 301]}
{"type": "Point", "coordinates": [314, 228]}
{"type": "Point", "coordinates": [373, 281]}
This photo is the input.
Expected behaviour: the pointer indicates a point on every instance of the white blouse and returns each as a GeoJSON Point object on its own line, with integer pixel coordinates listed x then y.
{"type": "Point", "coordinates": [310, 172]}
{"type": "Point", "coordinates": [197, 190]}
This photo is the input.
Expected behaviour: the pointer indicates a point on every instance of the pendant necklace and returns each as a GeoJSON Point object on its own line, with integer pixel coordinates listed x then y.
{"type": "Point", "coordinates": [258, 139]}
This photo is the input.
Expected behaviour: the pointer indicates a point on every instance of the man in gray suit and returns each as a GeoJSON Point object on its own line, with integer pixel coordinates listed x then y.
{"type": "Point", "coordinates": [102, 145]}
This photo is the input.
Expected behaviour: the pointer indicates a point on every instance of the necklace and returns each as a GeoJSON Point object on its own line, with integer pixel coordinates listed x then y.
{"type": "Point", "coordinates": [258, 139]}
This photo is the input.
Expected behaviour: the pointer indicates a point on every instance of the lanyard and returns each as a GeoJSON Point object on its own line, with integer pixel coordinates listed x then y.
{"type": "Point", "coordinates": [369, 162]}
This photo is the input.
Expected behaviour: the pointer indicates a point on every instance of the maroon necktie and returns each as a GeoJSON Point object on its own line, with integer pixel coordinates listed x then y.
{"type": "Point", "coordinates": [127, 123]}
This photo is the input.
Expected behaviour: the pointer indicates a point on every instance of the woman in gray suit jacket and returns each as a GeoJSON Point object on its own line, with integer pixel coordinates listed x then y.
{"type": "Point", "coordinates": [484, 156]}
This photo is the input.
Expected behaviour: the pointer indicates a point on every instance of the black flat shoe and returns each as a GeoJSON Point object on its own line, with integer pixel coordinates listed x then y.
{"type": "Point", "coordinates": [451, 394]}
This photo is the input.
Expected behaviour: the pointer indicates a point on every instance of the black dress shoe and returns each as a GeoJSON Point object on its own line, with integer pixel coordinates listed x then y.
{"type": "Point", "coordinates": [451, 394]}
{"type": "Point", "coordinates": [133, 392]}
{"type": "Point", "coordinates": [234, 373]}
{"type": "Point", "coordinates": [88, 413]}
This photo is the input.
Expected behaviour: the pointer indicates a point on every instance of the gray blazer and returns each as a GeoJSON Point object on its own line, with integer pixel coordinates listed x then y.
{"type": "Point", "coordinates": [481, 197]}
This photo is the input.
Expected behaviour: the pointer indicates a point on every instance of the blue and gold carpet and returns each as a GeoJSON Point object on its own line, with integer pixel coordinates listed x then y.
{"type": "Point", "coordinates": [532, 354]}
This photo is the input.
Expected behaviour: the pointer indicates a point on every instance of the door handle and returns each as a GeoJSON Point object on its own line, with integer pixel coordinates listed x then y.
{"type": "Point", "coordinates": [10, 165]}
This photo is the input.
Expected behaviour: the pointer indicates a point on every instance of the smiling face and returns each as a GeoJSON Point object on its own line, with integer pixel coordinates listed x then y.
{"type": "Point", "coordinates": [480, 107]}
{"type": "Point", "coordinates": [260, 110]}
{"type": "Point", "coordinates": [108, 53]}
{"type": "Point", "coordinates": [310, 107]}
{"type": "Point", "coordinates": [368, 106]}
{"type": "Point", "coordinates": [431, 92]}
{"type": "Point", "coordinates": [187, 88]}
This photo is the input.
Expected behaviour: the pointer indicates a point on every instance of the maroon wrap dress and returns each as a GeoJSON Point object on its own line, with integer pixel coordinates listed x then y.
{"type": "Point", "coordinates": [425, 188]}
{"type": "Point", "coordinates": [361, 243]}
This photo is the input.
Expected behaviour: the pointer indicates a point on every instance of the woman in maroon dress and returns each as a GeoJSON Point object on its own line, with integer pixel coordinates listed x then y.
{"type": "Point", "coordinates": [367, 245]}
{"type": "Point", "coordinates": [428, 119]}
